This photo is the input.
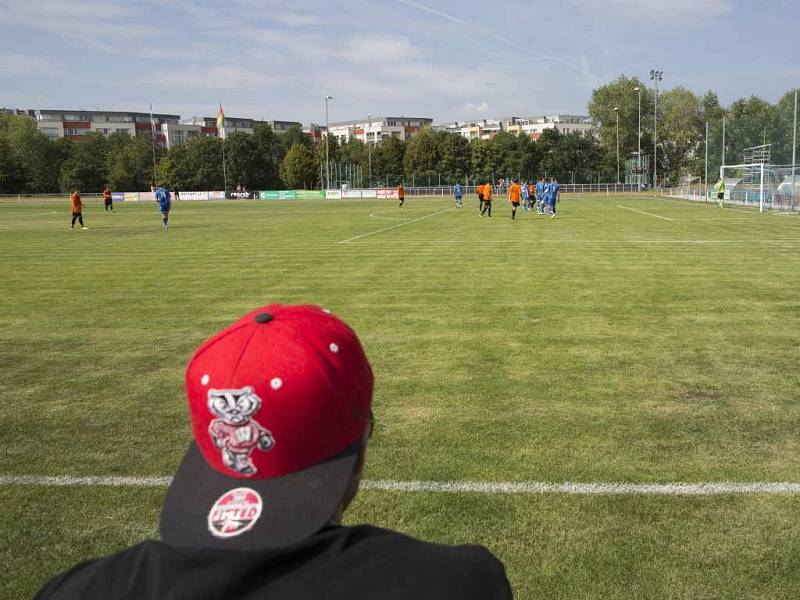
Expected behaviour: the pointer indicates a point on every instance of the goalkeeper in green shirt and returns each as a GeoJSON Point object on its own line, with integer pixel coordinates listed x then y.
{"type": "Point", "coordinates": [720, 187]}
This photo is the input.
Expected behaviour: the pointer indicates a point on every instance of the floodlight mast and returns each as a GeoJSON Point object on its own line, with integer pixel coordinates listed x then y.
{"type": "Point", "coordinates": [655, 77]}
{"type": "Point", "coordinates": [639, 146]}
{"type": "Point", "coordinates": [794, 150]}
{"type": "Point", "coordinates": [327, 155]}
{"type": "Point", "coordinates": [369, 147]}
{"type": "Point", "coordinates": [616, 112]}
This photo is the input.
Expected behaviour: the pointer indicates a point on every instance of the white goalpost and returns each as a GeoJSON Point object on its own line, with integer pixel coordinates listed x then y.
{"type": "Point", "coordinates": [761, 184]}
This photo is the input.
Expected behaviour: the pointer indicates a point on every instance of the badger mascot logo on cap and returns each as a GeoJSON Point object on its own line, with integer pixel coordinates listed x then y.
{"type": "Point", "coordinates": [234, 431]}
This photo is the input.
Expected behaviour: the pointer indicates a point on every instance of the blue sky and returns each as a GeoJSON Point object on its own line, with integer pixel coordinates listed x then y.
{"type": "Point", "coordinates": [442, 58]}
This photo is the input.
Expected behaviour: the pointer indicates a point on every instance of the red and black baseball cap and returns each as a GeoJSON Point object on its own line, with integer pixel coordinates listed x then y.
{"type": "Point", "coordinates": [279, 403]}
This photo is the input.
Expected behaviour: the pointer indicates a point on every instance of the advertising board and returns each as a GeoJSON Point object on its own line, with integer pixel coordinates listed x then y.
{"type": "Point", "coordinates": [194, 195]}
{"type": "Point", "coordinates": [387, 193]}
{"type": "Point", "coordinates": [310, 194]}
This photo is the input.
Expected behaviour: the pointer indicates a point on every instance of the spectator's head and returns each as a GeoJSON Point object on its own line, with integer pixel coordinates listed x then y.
{"type": "Point", "coordinates": [280, 404]}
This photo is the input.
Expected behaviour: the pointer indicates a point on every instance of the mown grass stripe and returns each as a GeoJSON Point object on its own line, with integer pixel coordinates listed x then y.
{"type": "Point", "coordinates": [460, 487]}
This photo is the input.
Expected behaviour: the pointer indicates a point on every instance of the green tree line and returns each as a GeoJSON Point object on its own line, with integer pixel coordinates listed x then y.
{"type": "Point", "coordinates": [682, 118]}
{"type": "Point", "coordinates": [32, 163]}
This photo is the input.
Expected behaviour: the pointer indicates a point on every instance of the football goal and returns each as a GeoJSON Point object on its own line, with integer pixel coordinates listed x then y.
{"type": "Point", "coordinates": [762, 185]}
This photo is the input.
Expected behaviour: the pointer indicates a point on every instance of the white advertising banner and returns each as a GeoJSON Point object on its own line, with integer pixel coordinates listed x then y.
{"type": "Point", "coordinates": [193, 195]}
{"type": "Point", "coordinates": [351, 193]}
{"type": "Point", "coordinates": [216, 195]}
{"type": "Point", "coordinates": [146, 197]}
{"type": "Point", "coordinates": [333, 194]}
{"type": "Point", "coordinates": [387, 193]}
{"type": "Point", "coordinates": [369, 193]}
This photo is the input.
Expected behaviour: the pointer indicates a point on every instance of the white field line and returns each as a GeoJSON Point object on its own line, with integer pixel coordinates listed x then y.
{"type": "Point", "coordinates": [374, 216]}
{"type": "Point", "coordinates": [749, 211]}
{"type": "Point", "coordinates": [643, 212]}
{"type": "Point", "coordinates": [460, 487]}
{"type": "Point", "coordinates": [578, 242]}
{"type": "Point", "coordinates": [363, 235]}
{"type": "Point", "coordinates": [682, 201]}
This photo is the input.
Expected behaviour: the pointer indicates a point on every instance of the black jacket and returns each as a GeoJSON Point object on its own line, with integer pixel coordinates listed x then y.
{"type": "Point", "coordinates": [338, 563]}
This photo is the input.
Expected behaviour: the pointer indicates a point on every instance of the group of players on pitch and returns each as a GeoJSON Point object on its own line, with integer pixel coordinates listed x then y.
{"type": "Point", "coordinates": [160, 194]}
{"type": "Point", "coordinates": [544, 195]}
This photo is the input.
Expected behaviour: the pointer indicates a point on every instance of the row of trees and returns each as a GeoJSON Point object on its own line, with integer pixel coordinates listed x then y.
{"type": "Point", "coordinates": [32, 163]}
{"type": "Point", "coordinates": [682, 118]}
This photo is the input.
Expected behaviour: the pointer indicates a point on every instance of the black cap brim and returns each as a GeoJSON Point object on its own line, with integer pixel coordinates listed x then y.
{"type": "Point", "coordinates": [295, 506]}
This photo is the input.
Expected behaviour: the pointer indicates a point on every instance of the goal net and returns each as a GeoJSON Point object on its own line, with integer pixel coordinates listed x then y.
{"type": "Point", "coordinates": [761, 185]}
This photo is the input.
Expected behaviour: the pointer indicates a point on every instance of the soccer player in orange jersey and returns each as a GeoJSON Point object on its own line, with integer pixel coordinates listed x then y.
{"type": "Point", "coordinates": [487, 199]}
{"type": "Point", "coordinates": [77, 210]}
{"type": "Point", "coordinates": [514, 197]}
{"type": "Point", "coordinates": [107, 200]}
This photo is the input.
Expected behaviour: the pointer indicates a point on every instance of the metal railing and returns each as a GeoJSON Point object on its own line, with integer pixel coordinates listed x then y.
{"type": "Point", "coordinates": [91, 198]}
{"type": "Point", "coordinates": [565, 188]}
{"type": "Point", "coordinates": [772, 201]}
{"type": "Point", "coordinates": [441, 191]}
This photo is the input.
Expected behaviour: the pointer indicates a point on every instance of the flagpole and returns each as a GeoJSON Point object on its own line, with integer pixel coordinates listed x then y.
{"type": "Point", "coordinates": [153, 142]}
{"type": "Point", "coordinates": [224, 173]}
{"type": "Point", "coordinates": [222, 134]}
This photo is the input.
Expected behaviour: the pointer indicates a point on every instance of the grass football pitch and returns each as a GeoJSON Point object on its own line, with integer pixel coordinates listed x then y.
{"type": "Point", "coordinates": [629, 340]}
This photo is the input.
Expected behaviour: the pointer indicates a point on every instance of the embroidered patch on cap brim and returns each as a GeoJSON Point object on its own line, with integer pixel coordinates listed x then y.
{"type": "Point", "coordinates": [234, 513]}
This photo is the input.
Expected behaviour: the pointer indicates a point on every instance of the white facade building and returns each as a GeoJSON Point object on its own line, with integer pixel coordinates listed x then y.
{"type": "Point", "coordinates": [180, 133]}
{"type": "Point", "coordinates": [170, 129]}
{"type": "Point", "coordinates": [74, 124]}
{"type": "Point", "coordinates": [376, 129]}
{"type": "Point", "coordinates": [531, 126]}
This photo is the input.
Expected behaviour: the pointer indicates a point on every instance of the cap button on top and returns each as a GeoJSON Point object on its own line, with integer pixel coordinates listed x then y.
{"type": "Point", "coordinates": [264, 318]}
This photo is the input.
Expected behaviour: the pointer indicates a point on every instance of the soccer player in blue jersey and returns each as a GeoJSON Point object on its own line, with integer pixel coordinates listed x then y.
{"type": "Point", "coordinates": [164, 204]}
{"type": "Point", "coordinates": [555, 196]}
{"type": "Point", "coordinates": [526, 197]}
{"type": "Point", "coordinates": [457, 193]}
{"type": "Point", "coordinates": [540, 194]}
{"type": "Point", "coordinates": [549, 194]}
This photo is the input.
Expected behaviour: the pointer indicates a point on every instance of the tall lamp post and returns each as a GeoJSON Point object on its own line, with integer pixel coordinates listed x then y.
{"type": "Point", "coordinates": [327, 155]}
{"type": "Point", "coordinates": [616, 112]}
{"type": "Point", "coordinates": [794, 150]}
{"type": "Point", "coordinates": [655, 77]}
{"type": "Point", "coordinates": [639, 146]}
{"type": "Point", "coordinates": [369, 148]}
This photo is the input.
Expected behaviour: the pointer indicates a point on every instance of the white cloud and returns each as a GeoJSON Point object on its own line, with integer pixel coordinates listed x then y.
{"type": "Point", "coordinates": [480, 109]}
{"type": "Point", "coordinates": [295, 19]}
{"type": "Point", "coordinates": [109, 24]}
{"type": "Point", "coordinates": [21, 65]}
{"type": "Point", "coordinates": [222, 78]}
{"type": "Point", "coordinates": [378, 49]}
{"type": "Point", "coordinates": [655, 11]}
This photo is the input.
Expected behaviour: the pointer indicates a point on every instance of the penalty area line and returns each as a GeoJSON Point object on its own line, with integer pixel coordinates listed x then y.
{"type": "Point", "coordinates": [459, 487]}
{"type": "Point", "coordinates": [377, 216]}
{"type": "Point", "coordinates": [363, 235]}
{"type": "Point", "coordinates": [644, 213]}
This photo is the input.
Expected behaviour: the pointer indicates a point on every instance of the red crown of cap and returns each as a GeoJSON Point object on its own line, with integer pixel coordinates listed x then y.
{"type": "Point", "coordinates": [282, 389]}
